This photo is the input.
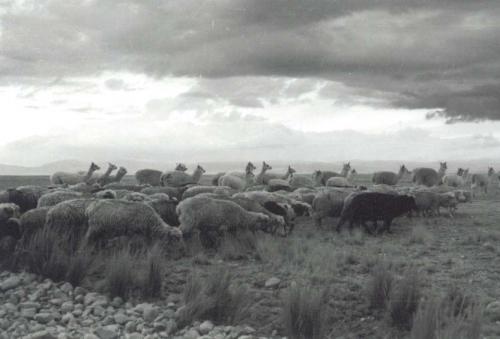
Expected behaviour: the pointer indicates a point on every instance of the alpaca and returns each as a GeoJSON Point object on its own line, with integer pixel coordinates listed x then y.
{"type": "Point", "coordinates": [341, 181]}
{"type": "Point", "coordinates": [323, 176]}
{"type": "Point", "coordinates": [236, 182]}
{"type": "Point", "coordinates": [60, 178]}
{"type": "Point", "coordinates": [428, 176]}
{"type": "Point", "coordinates": [259, 180]}
{"type": "Point", "coordinates": [268, 176]}
{"type": "Point", "coordinates": [179, 178]}
{"type": "Point", "coordinates": [106, 177]}
{"type": "Point", "coordinates": [389, 178]}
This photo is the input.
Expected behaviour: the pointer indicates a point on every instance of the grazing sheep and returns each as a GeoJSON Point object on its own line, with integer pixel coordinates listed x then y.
{"type": "Point", "coordinates": [195, 190]}
{"type": "Point", "coordinates": [448, 201]}
{"type": "Point", "coordinates": [390, 178]}
{"type": "Point", "coordinates": [304, 194]}
{"type": "Point", "coordinates": [428, 176]}
{"type": "Point", "coordinates": [300, 208]}
{"type": "Point", "coordinates": [179, 178]}
{"type": "Point", "coordinates": [328, 203]}
{"type": "Point", "coordinates": [427, 202]}
{"type": "Point", "coordinates": [68, 219]}
{"type": "Point", "coordinates": [109, 219]}
{"type": "Point", "coordinates": [119, 186]}
{"type": "Point", "coordinates": [9, 210]}
{"type": "Point", "coordinates": [26, 197]}
{"type": "Point", "coordinates": [73, 178]}
{"type": "Point", "coordinates": [53, 198]}
{"type": "Point", "coordinates": [374, 206]}
{"type": "Point", "coordinates": [323, 176]}
{"type": "Point", "coordinates": [269, 176]}
{"type": "Point", "coordinates": [259, 180]}
{"type": "Point", "coordinates": [165, 207]}
{"type": "Point", "coordinates": [463, 195]}
{"type": "Point", "coordinates": [106, 194]}
{"type": "Point", "coordinates": [341, 181]}
{"type": "Point", "coordinates": [455, 180]}
{"type": "Point", "coordinates": [10, 227]}
{"type": "Point", "coordinates": [172, 192]}
{"type": "Point", "coordinates": [235, 182]}
{"type": "Point", "coordinates": [33, 221]}
{"type": "Point", "coordinates": [217, 216]}
{"type": "Point", "coordinates": [136, 196]}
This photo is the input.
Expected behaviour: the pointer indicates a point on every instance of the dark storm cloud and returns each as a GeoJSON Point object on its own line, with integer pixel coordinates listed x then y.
{"type": "Point", "coordinates": [414, 54]}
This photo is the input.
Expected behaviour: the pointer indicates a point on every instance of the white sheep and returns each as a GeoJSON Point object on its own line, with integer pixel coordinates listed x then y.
{"type": "Point", "coordinates": [390, 178]}
{"type": "Point", "coordinates": [53, 198]}
{"type": "Point", "coordinates": [195, 190]}
{"type": "Point", "coordinates": [73, 178]}
{"type": "Point", "coordinates": [109, 219]}
{"type": "Point", "coordinates": [209, 216]}
{"type": "Point", "coordinates": [179, 178]}
{"type": "Point", "coordinates": [329, 203]}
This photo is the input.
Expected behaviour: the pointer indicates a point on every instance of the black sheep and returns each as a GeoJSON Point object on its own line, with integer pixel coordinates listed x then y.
{"type": "Point", "coordinates": [374, 206]}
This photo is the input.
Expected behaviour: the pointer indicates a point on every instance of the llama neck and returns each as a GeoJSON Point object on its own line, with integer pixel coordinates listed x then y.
{"type": "Point", "coordinates": [107, 174]}
{"type": "Point", "coordinates": [344, 172]}
{"type": "Point", "coordinates": [249, 179]}
{"type": "Point", "coordinates": [287, 175]}
{"type": "Point", "coordinates": [260, 177]}
{"type": "Point", "coordinates": [89, 174]}
{"type": "Point", "coordinates": [119, 176]}
{"type": "Point", "coordinates": [400, 175]}
{"type": "Point", "coordinates": [197, 175]}
{"type": "Point", "coordinates": [441, 172]}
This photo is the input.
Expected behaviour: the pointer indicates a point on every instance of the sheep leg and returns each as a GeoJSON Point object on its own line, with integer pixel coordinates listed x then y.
{"type": "Point", "coordinates": [366, 227]}
{"type": "Point", "coordinates": [339, 225]}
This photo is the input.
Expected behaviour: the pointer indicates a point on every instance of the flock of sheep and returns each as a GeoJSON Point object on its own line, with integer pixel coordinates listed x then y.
{"type": "Point", "coordinates": [92, 209]}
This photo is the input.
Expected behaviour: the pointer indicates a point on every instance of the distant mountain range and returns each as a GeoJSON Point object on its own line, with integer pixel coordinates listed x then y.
{"type": "Point", "coordinates": [362, 166]}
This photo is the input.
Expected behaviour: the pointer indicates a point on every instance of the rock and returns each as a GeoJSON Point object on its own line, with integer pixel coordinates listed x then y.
{"type": "Point", "coordinates": [134, 336]}
{"type": "Point", "coordinates": [80, 291]}
{"type": "Point", "coordinates": [66, 287]}
{"type": "Point", "coordinates": [42, 335]}
{"type": "Point", "coordinates": [149, 313]}
{"type": "Point", "coordinates": [90, 336]}
{"type": "Point", "coordinates": [44, 318]}
{"type": "Point", "coordinates": [117, 302]}
{"type": "Point", "coordinates": [120, 318]}
{"type": "Point", "coordinates": [272, 282]}
{"type": "Point", "coordinates": [28, 313]}
{"type": "Point", "coordinates": [191, 334]}
{"type": "Point", "coordinates": [206, 327]}
{"type": "Point", "coordinates": [90, 298]}
{"type": "Point", "coordinates": [10, 283]}
{"type": "Point", "coordinates": [67, 307]}
{"type": "Point", "coordinates": [493, 310]}
{"type": "Point", "coordinates": [107, 332]}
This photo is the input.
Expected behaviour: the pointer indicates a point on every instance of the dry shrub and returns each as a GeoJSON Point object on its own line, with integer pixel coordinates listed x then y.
{"type": "Point", "coordinates": [79, 265]}
{"type": "Point", "coordinates": [153, 278]}
{"type": "Point", "coordinates": [237, 247]}
{"type": "Point", "coordinates": [119, 278]}
{"type": "Point", "coordinates": [455, 316]}
{"type": "Point", "coordinates": [43, 254]}
{"type": "Point", "coordinates": [404, 299]}
{"type": "Point", "coordinates": [213, 298]}
{"type": "Point", "coordinates": [304, 313]}
{"type": "Point", "coordinates": [379, 286]}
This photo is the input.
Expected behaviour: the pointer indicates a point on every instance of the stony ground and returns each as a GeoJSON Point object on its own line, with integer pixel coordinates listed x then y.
{"type": "Point", "coordinates": [30, 308]}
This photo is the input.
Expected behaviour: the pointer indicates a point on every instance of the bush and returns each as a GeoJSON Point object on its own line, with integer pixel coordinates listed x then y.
{"type": "Point", "coordinates": [119, 277]}
{"type": "Point", "coordinates": [43, 255]}
{"type": "Point", "coordinates": [404, 300]}
{"type": "Point", "coordinates": [304, 314]}
{"type": "Point", "coordinates": [213, 298]}
{"type": "Point", "coordinates": [448, 318]}
{"type": "Point", "coordinates": [379, 286]}
{"type": "Point", "coordinates": [79, 265]}
{"type": "Point", "coordinates": [152, 284]}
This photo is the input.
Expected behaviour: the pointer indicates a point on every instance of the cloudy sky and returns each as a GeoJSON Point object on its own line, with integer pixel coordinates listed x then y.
{"type": "Point", "coordinates": [209, 80]}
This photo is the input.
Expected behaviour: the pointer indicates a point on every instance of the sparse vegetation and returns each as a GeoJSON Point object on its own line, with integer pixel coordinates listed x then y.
{"type": "Point", "coordinates": [379, 286]}
{"type": "Point", "coordinates": [119, 274]}
{"type": "Point", "coordinates": [419, 235]}
{"type": "Point", "coordinates": [213, 298]}
{"type": "Point", "coordinates": [153, 277]}
{"type": "Point", "coordinates": [305, 312]}
{"type": "Point", "coordinates": [404, 299]}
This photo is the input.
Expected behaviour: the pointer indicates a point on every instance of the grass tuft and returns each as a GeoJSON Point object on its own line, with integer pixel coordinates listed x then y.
{"type": "Point", "coordinates": [304, 313]}
{"type": "Point", "coordinates": [379, 286]}
{"type": "Point", "coordinates": [404, 299]}
{"type": "Point", "coordinates": [213, 298]}
{"type": "Point", "coordinates": [119, 278]}
{"type": "Point", "coordinates": [152, 283]}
